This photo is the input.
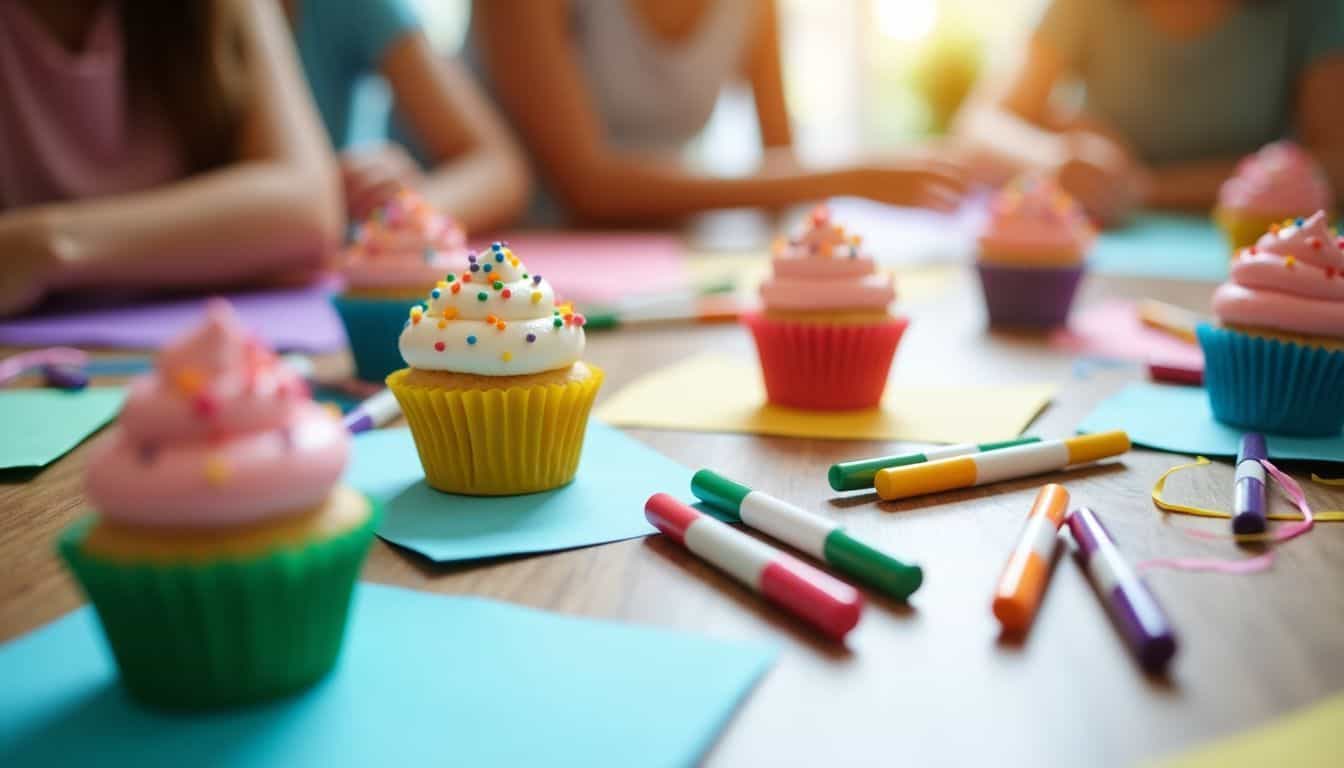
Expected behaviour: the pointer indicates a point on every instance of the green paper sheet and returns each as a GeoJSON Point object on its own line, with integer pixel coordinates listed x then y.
{"type": "Point", "coordinates": [1163, 245]}
{"type": "Point", "coordinates": [423, 680]}
{"type": "Point", "coordinates": [42, 425]}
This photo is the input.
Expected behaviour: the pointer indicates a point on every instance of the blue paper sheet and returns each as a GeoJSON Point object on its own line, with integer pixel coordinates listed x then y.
{"type": "Point", "coordinates": [424, 680]}
{"type": "Point", "coordinates": [1178, 419]}
{"type": "Point", "coordinates": [604, 503]}
{"type": "Point", "coordinates": [1163, 245]}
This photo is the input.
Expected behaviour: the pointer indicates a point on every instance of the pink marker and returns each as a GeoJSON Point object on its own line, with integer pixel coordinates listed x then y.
{"type": "Point", "coordinates": [826, 603]}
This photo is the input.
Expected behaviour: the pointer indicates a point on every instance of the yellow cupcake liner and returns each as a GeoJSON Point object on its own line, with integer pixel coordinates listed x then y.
{"type": "Point", "coordinates": [498, 442]}
{"type": "Point", "coordinates": [1242, 229]}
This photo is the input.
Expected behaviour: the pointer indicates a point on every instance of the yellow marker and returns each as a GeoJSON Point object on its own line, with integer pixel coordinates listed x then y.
{"type": "Point", "coordinates": [1177, 321]}
{"type": "Point", "coordinates": [993, 466]}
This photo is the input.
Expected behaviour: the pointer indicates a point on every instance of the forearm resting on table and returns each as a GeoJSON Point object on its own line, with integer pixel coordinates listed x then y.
{"type": "Point", "coordinates": [628, 188]}
{"type": "Point", "coordinates": [484, 190]}
{"type": "Point", "coordinates": [249, 222]}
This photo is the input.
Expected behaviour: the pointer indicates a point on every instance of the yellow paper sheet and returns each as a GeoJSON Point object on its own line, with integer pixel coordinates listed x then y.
{"type": "Point", "coordinates": [746, 271]}
{"type": "Point", "coordinates": [718, 394]}
{"type": "Point", "coordinates": [1308, 738]}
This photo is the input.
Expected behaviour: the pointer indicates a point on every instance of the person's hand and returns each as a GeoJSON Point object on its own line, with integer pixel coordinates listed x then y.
{"type": "Point", "coordinates": [925, 182]}
{"type": "Point", "coordinates": [1102, 176]}
{"type": "Point", "coordinates": [28, 260]}
{"type": "Point", "coordinates": [373, 175]}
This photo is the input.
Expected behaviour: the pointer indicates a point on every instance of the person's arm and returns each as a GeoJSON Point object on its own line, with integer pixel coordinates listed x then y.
{"type": "Point", "coordinates": [275, 212]}
{"type": "Point", "coordinates": [546, 94]}
{"type": "Point", "coordinates": [479, 176]}
{"type": "Point", "coordinates": [1320, 116]}
{"type": "Point", "coordinates": [765, 71]}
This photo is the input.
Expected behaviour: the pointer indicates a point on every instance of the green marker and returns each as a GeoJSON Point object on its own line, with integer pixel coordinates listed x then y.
{"type": "Point", "coordinates": [814, 534]}
{"type": "Point", "coordinates": [859, 474]}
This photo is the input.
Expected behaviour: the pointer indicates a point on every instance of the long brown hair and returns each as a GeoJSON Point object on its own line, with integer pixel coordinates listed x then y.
{"type": "Point", "coordinates": [185, 58]}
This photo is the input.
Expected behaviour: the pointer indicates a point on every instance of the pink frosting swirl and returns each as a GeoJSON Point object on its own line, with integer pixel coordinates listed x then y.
{"type": "Point", "coordinates": [823, 269]}
{"type": "Point", "coordinates": [1282, 179]}
{"type": "Point", "coordinates": [1289, 281]}
{"type": "Point", "coordinates": [220, 434]}
{"type": "Point", "coordinates": [403, 243]}
{"type": "Point", "coordinates": [1035, 221]}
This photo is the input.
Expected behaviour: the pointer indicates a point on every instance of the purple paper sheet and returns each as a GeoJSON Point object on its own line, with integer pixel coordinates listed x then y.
{"type": "Point", "coordinates": [296, 319]}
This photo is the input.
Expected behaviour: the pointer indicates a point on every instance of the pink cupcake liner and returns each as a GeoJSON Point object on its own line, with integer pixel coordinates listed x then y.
{"type": "Point", "coordinates": [825, 366]}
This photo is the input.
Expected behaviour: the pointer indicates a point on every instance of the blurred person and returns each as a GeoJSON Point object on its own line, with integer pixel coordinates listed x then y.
{"type": "Point", "coordinates": [446, 139]}
{"type": "Point", "coordinates": [155, 145]}
{"type": "Point", "coordinates": [1175, 92]}
{"type": "Point", "coordinates": [607, 93]}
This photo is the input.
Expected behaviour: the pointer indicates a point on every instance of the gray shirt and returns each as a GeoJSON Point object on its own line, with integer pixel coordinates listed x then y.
{"type": "Point", "coordinates": [1224, 93]}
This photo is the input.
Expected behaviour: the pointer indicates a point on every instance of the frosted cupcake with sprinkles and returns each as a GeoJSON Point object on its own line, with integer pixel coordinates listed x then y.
{"type": "Point", "coordinates": [825, 337]}
{"type": "Point", "coordinates": [496, 395]}
{"type": "Point", "coordinates": [224, 550]}
{"type": "Point", "coordinates": [400, 248]}
{"type": "Point", "coordinates": [1275, 360]}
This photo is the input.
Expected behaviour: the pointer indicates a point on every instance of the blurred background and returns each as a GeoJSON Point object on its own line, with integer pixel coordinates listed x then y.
{"type": "Point", "coordinates": [859, 73]}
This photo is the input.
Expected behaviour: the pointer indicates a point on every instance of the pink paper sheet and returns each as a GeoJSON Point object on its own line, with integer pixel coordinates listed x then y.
{"type": "Point", "coordinates": [601, 266]}
{"type": "Point", "coordinates": [1113, 330]}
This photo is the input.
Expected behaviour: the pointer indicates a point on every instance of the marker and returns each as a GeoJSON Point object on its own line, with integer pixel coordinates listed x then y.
{"type": "Point", "coordinates": [372, 413]}
{"type": "Point", "coordinates": [1248, 495]}
{"type": "Point", "coordinates": [826, 603]}
{"type": "Point", "coordinates": [817, 535]}
{"type": "Point", "coordinates": [670, 309]}
{"type": "Point", "coordinates": [1023, 580]}
{"type": "Point", "coordinates": [1140, 619]}
{"type": "Point", "coordinates": [1170, 319]}
{"type": "Point", "coordinates": [993, 466]}
{"type": "Point", "coordinates": [69, 377]}
{"type": "Point", "coordinates": [858, 474]}
{"type": "Point", "coordinates": [1176, 373]}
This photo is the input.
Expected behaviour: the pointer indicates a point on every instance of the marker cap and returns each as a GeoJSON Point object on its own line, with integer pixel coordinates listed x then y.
{"type": "Point", "coordinates": [718, 491]}
{"type": "Point", "coordinates": [1101, 445]}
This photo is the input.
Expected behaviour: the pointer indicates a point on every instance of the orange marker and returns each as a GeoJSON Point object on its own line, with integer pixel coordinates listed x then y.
{"type": "Point", "coordinates": [1023, 579]}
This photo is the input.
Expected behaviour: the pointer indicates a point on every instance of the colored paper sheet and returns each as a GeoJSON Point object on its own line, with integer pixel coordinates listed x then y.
{"type": "Point", "coordinates": [1178, 419]}
{"type": "Point", "coordinates": [602, 267]}
{"type": "Point", "coordinates": [42, 425]}
{"type": "Point", "coordinates": [716, 394]}
{"type": "Point", "coordinates": [1113, 330]}
{"type": "Point", "coordinates": [1308, 738]}
{"type": "Point", "coordinates": [745, 272]}
{"type": "Point", "coordinates": [604, 503]}
{"type": "Point", "coordinates": [423, 680]}
{"type": "Point", "coordinates": [1163, 245]}
{"type": "Point", "coordinates": [295, 319]}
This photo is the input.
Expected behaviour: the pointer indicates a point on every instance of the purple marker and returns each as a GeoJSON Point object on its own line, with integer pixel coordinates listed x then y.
{"type": "Point", "coordinates": [372, 413]}
{"type": "Point", "coordinates": [1128, 601]}
{"type": "Point", "coordinates": [70, 377]}
{"type": "Point", "coordinates": [1248, 495]}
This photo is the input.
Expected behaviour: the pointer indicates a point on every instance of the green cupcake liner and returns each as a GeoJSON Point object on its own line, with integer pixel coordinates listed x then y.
{"type": "Point", "coordinates": [193, 636]}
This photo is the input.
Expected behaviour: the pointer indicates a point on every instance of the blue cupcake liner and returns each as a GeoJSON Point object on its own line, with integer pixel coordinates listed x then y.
{"type": "Point", "coordinates": [373, 327]}
{"type": "Point", "coordinates": [1272, 385]}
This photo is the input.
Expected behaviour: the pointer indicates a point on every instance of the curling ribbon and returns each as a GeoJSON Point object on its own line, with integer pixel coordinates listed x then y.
{"type": "Point", "coordinates": [1261, 562]}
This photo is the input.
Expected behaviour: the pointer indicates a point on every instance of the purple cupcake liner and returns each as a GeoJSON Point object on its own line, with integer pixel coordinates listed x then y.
{"type": "Point", "coordinates": [1029, 297]}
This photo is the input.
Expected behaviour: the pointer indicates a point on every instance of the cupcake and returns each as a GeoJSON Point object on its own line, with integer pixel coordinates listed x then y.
{"type": "Point", "coordinates": [1281, 181]}
{"type": "Point", "coordinates": [1275, 361]}
{"type": "Point", "coordinates": [402, 247]}
{"type": "Point", "coordinates": [1031, 254]}
{"type": "Point", "coordinates": [222, 553]}
{"type": "Point", "coordinates": [496, 396]}
{"type": "Point", "coordinates": [824, 335]}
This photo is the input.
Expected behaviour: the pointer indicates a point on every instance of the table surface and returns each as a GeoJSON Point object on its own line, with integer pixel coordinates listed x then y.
{"type": "Point", "coordinates": [930, 682]}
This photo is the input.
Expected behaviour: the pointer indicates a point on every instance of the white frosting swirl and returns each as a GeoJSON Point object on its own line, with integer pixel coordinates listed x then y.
{"type": "Point", "coordinates": [492, 319]}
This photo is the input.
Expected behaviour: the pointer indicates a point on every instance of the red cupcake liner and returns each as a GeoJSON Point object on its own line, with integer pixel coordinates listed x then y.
{"type": "Point", "coordinates": [825, 366]}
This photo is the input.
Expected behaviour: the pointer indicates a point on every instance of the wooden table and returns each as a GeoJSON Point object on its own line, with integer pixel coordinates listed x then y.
{"type": "Point", "coordinates": [926, 684]}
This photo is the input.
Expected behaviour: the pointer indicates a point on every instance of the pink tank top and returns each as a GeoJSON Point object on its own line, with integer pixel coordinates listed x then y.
{"type": "Point", "coordinates": [66, 130]}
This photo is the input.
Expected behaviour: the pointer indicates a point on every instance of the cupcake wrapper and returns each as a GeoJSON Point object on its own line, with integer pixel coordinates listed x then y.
{"type": "Point", "coordinates": [1242, 229]}
{"type": "Point", "coordinates": [825, 366]}
{"type": "Point", "coordinates": [1029, 297]}
{"type": "Point", "coordinates": [373, 327]}
{"type": "Point", "coordinates": [498, 442]}
{"type": "Point", "coordinates": [192, 636]}
{"type": "Point", "coordinates": [1273, 385]}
